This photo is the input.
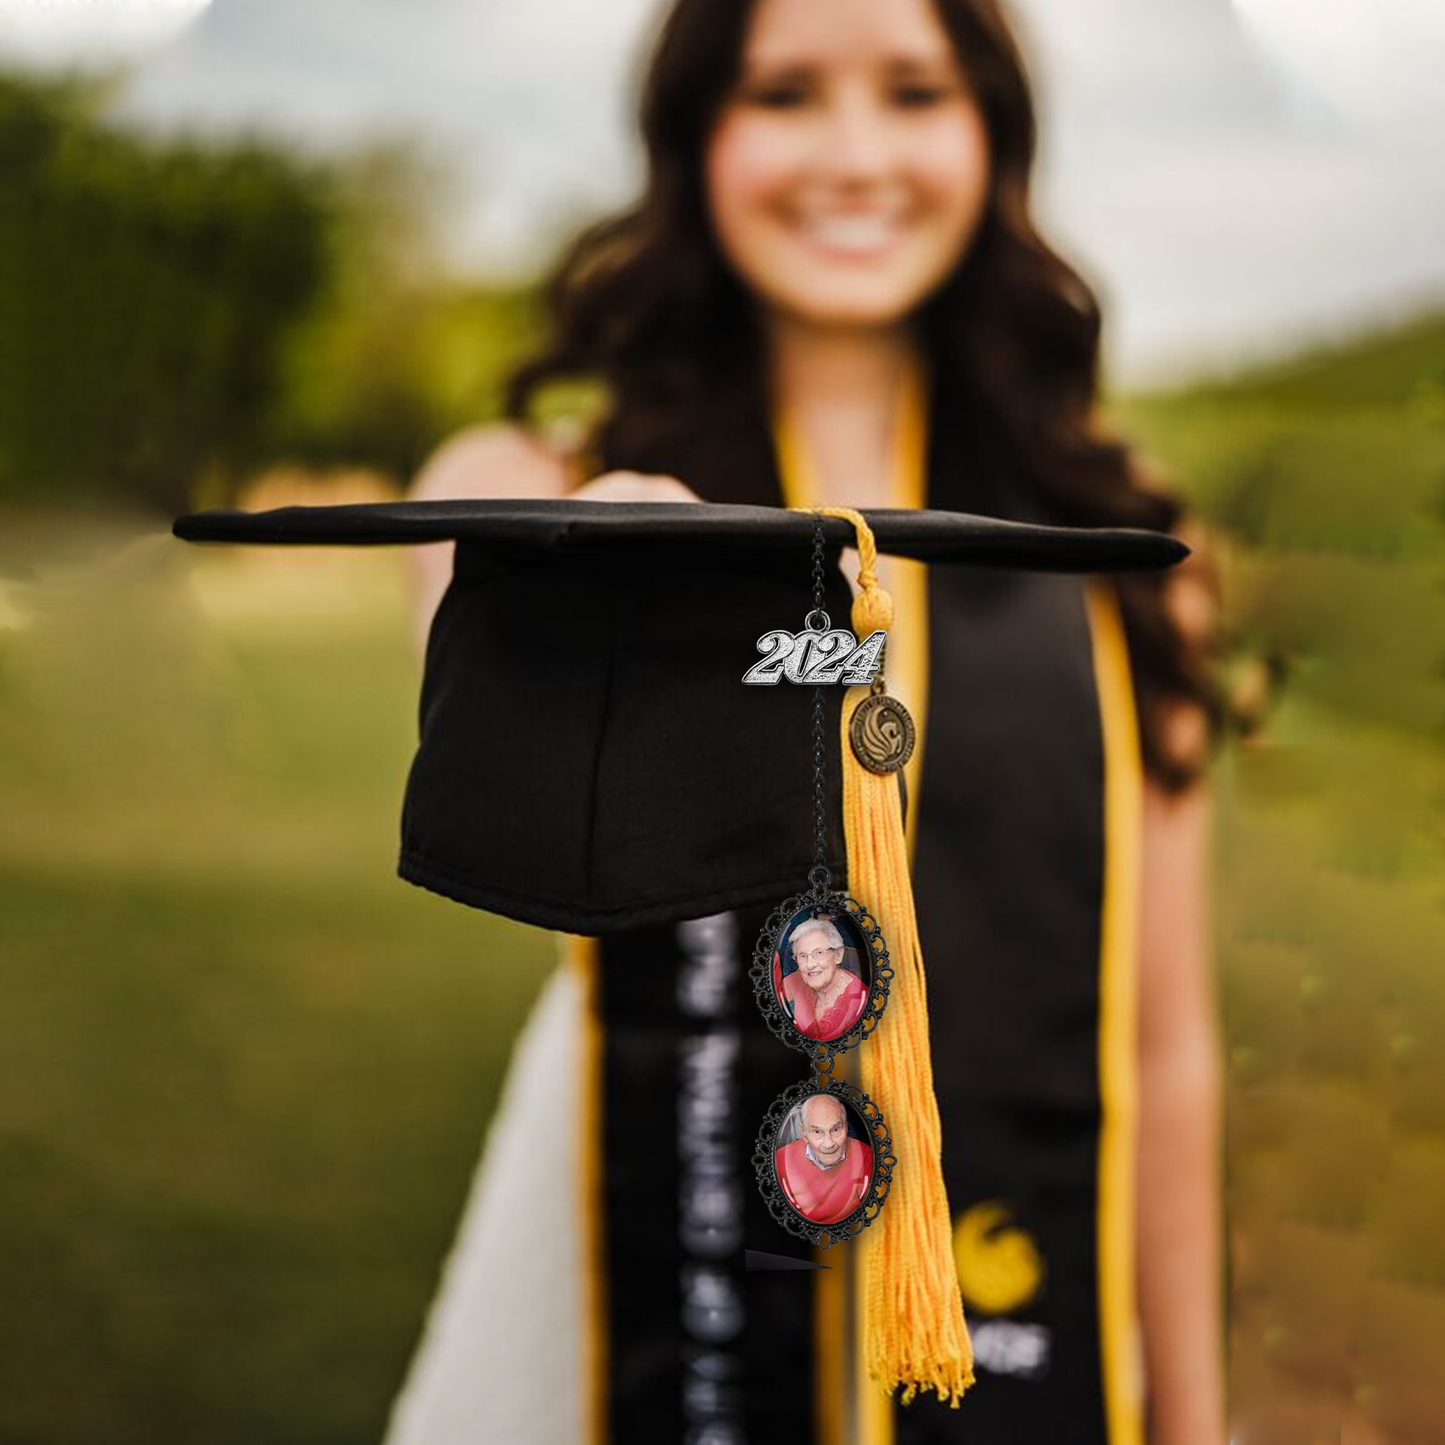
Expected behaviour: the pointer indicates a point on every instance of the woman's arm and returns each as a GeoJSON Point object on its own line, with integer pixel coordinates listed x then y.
{"type": "Point", "coordinates": [506, 461]}
{"type": "Point", "coordinates": [478, 461]}
{"type": "Point", "coordinates": [1180, 1245]}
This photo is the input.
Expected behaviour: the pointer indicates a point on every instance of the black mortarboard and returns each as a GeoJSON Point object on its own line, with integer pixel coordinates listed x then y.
{"type": "Point", "coordinates": [589, 758]}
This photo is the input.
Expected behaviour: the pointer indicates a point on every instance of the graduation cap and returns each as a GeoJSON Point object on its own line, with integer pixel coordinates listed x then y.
{"type": "Point", "coordinates": [589, 760]}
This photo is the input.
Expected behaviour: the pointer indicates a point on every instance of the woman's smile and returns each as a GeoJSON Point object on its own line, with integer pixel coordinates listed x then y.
{"type": "Point", "coordinates": [851, 235]}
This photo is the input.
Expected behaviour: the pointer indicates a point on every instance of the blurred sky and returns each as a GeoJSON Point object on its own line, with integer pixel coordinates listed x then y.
{"type": "Point", "coordinates": [1234, 176]}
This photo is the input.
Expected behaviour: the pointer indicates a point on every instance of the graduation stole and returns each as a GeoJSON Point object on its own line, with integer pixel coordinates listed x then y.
{"type": "Point", "coordinates": [915, 1337]}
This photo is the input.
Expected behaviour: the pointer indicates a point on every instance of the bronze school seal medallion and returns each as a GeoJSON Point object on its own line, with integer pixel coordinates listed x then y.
{"type": "Point", "coordinates": [882, 733]}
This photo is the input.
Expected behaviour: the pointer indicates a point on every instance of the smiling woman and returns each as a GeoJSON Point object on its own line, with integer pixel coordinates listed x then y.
{"type": "Point", "coordinates": [832, 291]}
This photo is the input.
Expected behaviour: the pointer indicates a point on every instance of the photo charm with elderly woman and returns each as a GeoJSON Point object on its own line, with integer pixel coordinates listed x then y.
{"type": "Point", "coordinates": [821, 974]}
{"type": "Point", "coordinates": [817, 977]}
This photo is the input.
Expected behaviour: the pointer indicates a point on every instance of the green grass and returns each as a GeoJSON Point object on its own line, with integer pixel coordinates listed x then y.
{"type": "Point", "coordinates": [1325, 483]}
{"type": "Point", "coordinates": [244, 1069]}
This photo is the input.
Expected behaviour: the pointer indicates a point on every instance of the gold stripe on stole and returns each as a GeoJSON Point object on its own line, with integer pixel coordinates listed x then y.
{"type": "Point", "coordinates": [1118, 983]}
{"type": "Point", "coordinates": [906, 669]}
{"type": "Point", "coordinates": [584, 956]}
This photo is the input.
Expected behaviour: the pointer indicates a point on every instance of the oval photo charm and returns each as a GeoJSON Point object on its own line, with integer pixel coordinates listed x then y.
{"type": "Point", "coordinates": [824, 1161]}
{"type": "Point", "coordinates": [820, 974]}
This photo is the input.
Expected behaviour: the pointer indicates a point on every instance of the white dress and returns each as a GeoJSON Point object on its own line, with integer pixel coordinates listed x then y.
{"type": "Point", "coordinates": [501, 1356]}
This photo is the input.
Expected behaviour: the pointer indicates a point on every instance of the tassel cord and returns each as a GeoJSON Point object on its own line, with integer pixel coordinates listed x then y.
{"type": "Point", "coordinates": [915, 1337]}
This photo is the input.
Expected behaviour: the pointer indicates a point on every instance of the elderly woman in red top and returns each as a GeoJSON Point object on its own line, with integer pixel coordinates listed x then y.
{"type": "Point", "coordinates": [824, 998]}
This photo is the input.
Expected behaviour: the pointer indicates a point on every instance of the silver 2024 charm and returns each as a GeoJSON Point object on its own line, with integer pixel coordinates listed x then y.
{"type": "Point", "coordinates": [820, 653]}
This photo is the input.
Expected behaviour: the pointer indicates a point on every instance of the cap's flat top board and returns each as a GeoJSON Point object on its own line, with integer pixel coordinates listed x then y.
{"type": "Point", "coordinates": [565, 523]}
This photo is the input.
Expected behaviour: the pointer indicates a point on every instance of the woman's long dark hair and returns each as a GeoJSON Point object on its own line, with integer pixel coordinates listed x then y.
{"type": "Point", "coordinates": [645, 303]}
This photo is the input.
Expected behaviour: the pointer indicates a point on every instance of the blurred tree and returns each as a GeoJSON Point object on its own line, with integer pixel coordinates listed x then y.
{"type": "Point", "coordinates": [146, 290]}
{"type": "Point", "coordinates": [396, 351]}
{"type": "Point", "coordinates": [180, 314]}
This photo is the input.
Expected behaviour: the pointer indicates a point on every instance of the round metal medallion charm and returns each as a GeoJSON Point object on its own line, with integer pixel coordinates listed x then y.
{"type": "Point", "coordinates": [882, 733]}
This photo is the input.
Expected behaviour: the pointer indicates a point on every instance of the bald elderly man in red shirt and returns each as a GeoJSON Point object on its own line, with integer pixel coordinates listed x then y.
{"type": "Point", "coordinates": [825, 1173]}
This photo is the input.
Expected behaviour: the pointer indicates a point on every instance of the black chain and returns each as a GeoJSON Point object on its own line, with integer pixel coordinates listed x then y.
{"type": "Point", "coordinates": [818, 876]}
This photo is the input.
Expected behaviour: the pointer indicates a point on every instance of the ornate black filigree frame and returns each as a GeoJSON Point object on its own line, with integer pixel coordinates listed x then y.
{"type": "Point", "coordinates": [765, 1163]}
{"type": "Point", "coordinates": [821, 1053]}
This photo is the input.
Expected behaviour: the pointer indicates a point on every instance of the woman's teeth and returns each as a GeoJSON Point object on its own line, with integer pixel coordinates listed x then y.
{"type": "Point", "coordinates": [854, 234]}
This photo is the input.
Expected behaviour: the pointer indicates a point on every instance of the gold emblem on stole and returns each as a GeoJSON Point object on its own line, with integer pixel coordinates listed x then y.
{"type": "Point", "coordinates": [1000, 1268]}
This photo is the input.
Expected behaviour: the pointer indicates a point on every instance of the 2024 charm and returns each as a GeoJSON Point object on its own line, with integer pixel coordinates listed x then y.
{"type": "Point", "coordinates": [820, 653]}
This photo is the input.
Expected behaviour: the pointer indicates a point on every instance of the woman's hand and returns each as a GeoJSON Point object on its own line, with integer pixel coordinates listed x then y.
{"type": "Point", "coordinates": [634, 487]}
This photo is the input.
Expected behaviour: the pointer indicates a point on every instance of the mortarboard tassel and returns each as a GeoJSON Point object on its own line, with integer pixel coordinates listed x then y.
{"type": "Point", "coordinates": [914, 1331]}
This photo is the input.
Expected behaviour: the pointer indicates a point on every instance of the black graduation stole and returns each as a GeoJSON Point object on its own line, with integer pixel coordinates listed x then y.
{"type": "Point", "coordinates": [1024, 828]}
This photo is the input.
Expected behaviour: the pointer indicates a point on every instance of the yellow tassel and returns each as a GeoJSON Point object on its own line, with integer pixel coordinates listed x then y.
{"type": "Point", "coordinates": [914, 1331]}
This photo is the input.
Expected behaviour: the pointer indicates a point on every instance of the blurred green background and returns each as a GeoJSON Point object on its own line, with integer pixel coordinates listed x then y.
{"type": "Point", "coordinates": [245, 1071]}
{"type": "Point", "coordinates": [1325, 483]}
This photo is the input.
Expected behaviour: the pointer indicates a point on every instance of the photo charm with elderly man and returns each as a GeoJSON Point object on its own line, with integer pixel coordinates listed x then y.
{"type": "Point", "coordinates": [824, 1157]}
{"type": "Point", "coordinates": [824, 1161]}
{"type": "Point", "coordinates": [821, 974]}
{"type": "Point", "coordinates": [825, 1170]}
